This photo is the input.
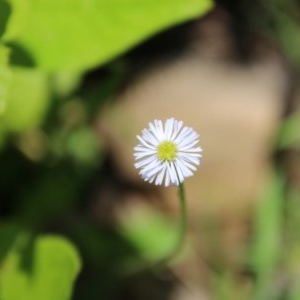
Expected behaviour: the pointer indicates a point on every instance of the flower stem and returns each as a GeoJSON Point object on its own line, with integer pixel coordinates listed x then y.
{"type": "Point", "coordinates": [183, 217]}
{"type": "Point", "coordinates": [181, 229]}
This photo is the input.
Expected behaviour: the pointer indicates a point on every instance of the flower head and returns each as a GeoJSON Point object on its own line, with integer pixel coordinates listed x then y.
{"type": "Point", "coordinates": [167, 152]}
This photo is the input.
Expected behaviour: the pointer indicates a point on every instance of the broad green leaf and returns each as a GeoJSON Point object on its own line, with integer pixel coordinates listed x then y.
{"type": "Point", "coordinates": [44, 269]}
{"type": "Point", "coordinates": [28, 100]}
{"type": "Point", "coordinates": [150, 233]}
{"type": "Point", "coordinates": [4, 15]}
{"type": "Point", "coordinates": [18, 15]}
{"type": "Point", "coordinates": [5, 76]}
{"type": "Point", "coordinates": [81, 34]}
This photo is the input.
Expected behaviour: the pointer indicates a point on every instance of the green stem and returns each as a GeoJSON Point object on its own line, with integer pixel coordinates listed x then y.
{"type": "Point", "coordinates": [183, 217]}
{"type": "Point", "coordinates": [181, 230]}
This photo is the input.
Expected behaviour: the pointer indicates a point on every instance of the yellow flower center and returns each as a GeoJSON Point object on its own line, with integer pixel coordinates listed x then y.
{"type": "Point", "coordinates": [167, 151]}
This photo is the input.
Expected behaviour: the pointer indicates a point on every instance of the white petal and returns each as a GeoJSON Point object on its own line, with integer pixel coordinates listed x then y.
{"type": "Point", "coordinates": [150, 137]}
{"type": "Point", "coordinates": [152, 168]}
{"type": "Point", "coordinates": [150, 179]}
{"type": "Point", "coordinates": [156, 132]}
{"type": "Point", "coordinates": [193, 160]}
{"type": "Point", "coordinates": [140, 149]}
{"type": "Point", "coordinates": [140, 155]}
{"type": "Point", "coordinates": [177, 127]}
{"type": "Point", "coordinates": [160, 176]}
{"type": "Point", "coordinates": [144, 143]}
{"type": "Point", "coordinates": [167, 177]}
{"type": "Point", "coordinates": [159, 127]}
{"type": "Point", "coordinates": [187, 163]}
{"type": "Point", "coordinates": [185, 170]}
{"type": "Point", "coordinates": [181, 135]}
{"type": "Point", "coordinates": [169, 128]}
{"type": "Point", "coordinates": [173, 174]}
{"type": "Point", "coordinates": [145, 162]}
{"type": "Point", "coordinates": [178, 171]}
{"type": "Point", "coordinates": [188, 140]}
{"type": "Point", "coordinates": [194, 149]}
{"type": "Point", "coordinates": [188, 146]}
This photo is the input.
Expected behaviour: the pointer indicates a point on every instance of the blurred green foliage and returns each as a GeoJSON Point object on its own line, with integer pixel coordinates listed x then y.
{"type": "Point", "coordinates": [152, 234]}
{"type": "Point", "coordinates": [42, 267]}
{"type": "Point", "coordinates": [51, 52]}
{"type": "Point", "coordinates": [78, 35]}
{"type": "Point", "coordinates": [29, 86]}
{"type": "Point", "coordinates": [49, 150]}
{"type": "Point", "coordinates": [4, 15]}
{"type": "Point", "coordinates": [5, 76]}
{"type": "Point", "coordinates": [266, 252]}
{"type": "Point", "coordinates": [289, 132]}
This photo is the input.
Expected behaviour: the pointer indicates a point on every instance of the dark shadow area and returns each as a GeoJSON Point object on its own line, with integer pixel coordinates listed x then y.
{"type": "Point", "coordinates": [20, 57]}
{"type": "Point", "coordinates": [8, 236]}
{"type": "Point", "coordinates": [5, 11]}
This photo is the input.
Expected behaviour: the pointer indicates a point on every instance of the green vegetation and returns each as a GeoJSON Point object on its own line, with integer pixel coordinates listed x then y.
{"type": "Point", "coordinates": [51, 246]}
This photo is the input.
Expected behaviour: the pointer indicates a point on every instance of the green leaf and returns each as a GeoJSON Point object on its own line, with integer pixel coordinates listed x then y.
{"type": "Point", "coordinates": [8, 234]}
{"type": "Point", "coordinates": [267, 239]}
{"type": "Point", "coordinates": [83, 146]}
{"type": "Point", "coordinates": [4, 15]}
{"type": "Point", "coordinates": [5, 76]}
{"type": "Point", "coordinates": [224, 286]}
{"type": "Point", "coordinates": [28, 100]}
{"type": "Point", "coordinates": [289, 136]}
{"type": "Point", "coordinates": [291, 260]}
{"type": "Point", "coordinates": [80, 34]}
{"type": "Point", "coordinates": [287, 34]}
{"type": "Point", "coordinates": [153, 235]}
{"type": "Point", "coordinates": [44, 269]}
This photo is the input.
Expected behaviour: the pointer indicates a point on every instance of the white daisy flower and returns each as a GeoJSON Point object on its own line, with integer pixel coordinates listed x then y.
{"type": "Point", "coordinates": [167, 152]}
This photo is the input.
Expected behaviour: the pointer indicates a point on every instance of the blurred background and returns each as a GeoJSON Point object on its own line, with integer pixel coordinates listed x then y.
{"type": "Point", "coordinates": [79, 79]}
